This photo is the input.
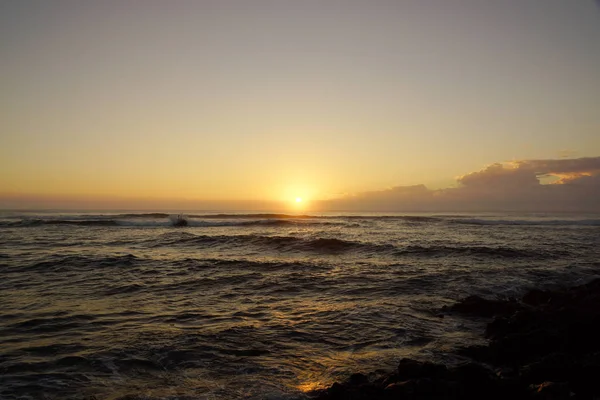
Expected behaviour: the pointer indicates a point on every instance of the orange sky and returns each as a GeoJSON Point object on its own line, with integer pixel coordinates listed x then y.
{"type": "Point", "coordinates": [155, 104]}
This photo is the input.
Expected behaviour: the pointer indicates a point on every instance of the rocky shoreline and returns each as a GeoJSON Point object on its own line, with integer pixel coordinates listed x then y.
{"type": "Point", "coordinates": [544, 346]}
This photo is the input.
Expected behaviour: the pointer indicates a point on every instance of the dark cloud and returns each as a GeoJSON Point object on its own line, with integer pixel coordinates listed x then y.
{"type": "Point", "coordinates": [513, 186]}
{"type": "Point", "coordinates": [497, 175]}
{"type": "Point", "coordinates": [574, 165]}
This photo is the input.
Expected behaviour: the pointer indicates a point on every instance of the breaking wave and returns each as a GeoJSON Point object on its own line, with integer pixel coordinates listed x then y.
{"type": "Point", "coordinates": [277, 219]}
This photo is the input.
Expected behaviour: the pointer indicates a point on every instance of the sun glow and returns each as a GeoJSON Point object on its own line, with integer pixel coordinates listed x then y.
{"type": "Point", "coordinates": [298, 197]}
{"type": "Point", "coordinates": [299, 203]}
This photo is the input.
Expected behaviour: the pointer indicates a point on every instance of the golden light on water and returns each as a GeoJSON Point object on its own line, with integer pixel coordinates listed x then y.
{"type": "Point", "coordinates": [310, 386]}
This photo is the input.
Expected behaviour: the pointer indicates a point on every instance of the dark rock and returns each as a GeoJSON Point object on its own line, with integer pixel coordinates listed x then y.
{"type": "Point", "coordinates": [336, 391]}
{"type": "Point", "coordinates": [524, 347]}
{"type": "Point", "coordinates": [507, 373]}
{"type": "Point", "coordinates": [390, 379]}
{"type": "Point", "coordinates": [475, 305]}
{"type": "Point", "coordinates": [546, 347]}
{"type": "Point", "coordinates": [537, 297]}
{"type": "Point", "coordinates": [411, 369]}
{"type": "Point", "coordinates": [475, 380]}
{"type": "Point", "coordinates": [551, 391]}
{"type": "Point", "coordinates": [472, 372]}
{"type": "Point", "coordinates": [425, 387]}
{"type": "Point", "coordinates": [476, 352]}
{"type": "Point", "coordinates": [556, 367]}
{"type": "Point", "coordinates": [584, 379]}
{"type": "Point", "coordinates": [400, 389]}
{"type": "Point", "coordinates": [435, 371]}
{"type": "Point", "coordinates": [358, 379]}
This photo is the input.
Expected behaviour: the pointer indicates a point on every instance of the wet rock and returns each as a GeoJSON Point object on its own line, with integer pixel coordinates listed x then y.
{"type": "Point", "coordinates": [556, 367]}
{"type": "Point", "coordinates": [537, 297]}
{"type": "Point", "coordinates": [358, 379]}
{"type": "Point", "coordinates": [474, 380]}
{"type": "Point", "coordinates": [507, 373]}
{"type": "Point", "coordinates": [411, 369]}
{"type": "Point", "coordinates": [400, 389]}
{"type": "Point", "coordinates": [584, 378]}
{"type": "Point", "coordinates": [472, 372]}
{"type": "Point", "coordinates": [545, 347]}
{"type": "Point", "coordinates": [551, 391]}
{"type": "Point", "coordinates": [390, 379]}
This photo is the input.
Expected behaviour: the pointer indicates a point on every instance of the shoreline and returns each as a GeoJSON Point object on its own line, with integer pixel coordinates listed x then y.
{"type": "Point", "coordinates": [545, 345]}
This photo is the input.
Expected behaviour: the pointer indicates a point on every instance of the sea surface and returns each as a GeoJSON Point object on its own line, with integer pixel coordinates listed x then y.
{"type": "Point", "coordinates": [256, 306]}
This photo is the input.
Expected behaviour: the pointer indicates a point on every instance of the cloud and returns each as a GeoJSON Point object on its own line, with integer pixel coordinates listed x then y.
{"type": "Point", "coordinates": [511, 186]}
{"type": "Point", "coordinates": [499, 176]}
{"type": "Point", "coordinates": [590, 165]}
{"type": "Point", "coordinates": [553, 185]}
{"type": "Point", "coordinates": [527, 172]}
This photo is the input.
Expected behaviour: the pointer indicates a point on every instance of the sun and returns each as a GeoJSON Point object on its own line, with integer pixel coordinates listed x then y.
{"type": "Point", "coordinates": [298, 203]}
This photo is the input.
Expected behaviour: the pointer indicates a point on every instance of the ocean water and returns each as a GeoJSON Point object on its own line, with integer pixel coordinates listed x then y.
{"type": "Point", "coordinates": [256, 306]}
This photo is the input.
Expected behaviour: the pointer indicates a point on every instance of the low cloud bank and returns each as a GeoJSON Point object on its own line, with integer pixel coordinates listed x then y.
{"type": "Point", "coordinates": [514, 186]}
{"type": "Point", "coordinates": [570, 185]}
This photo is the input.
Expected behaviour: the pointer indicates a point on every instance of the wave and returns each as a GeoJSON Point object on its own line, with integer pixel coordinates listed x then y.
{"type": "Point", "coordinates": [269, 216]}
{"type": "Point", "coordinates": [219, 216]}
{"type": "Point", "coordinates": [38, 222]}
{"type": "Point", "coordinates": [169, 221]}
{"type": "Point", "coordinates": [279, 243]}
{"type": "Point", "coordinates": [336, 246]}
{"type": "Point", "coordinates": [500, 252]}
{"type": "Point", "coordinates": [59, 262]}
{"type": "Point", "coordinates": [527, 222]}
{"type": "Point", "coordinates": [277, 220]}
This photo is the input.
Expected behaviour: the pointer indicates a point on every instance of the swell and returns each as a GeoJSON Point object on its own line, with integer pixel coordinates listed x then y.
{"type": "Point", "coordinates": [148, 267]}
{"type": "Point", "coordinates": [334, 245]}
{"type": "Point", "coordinates": [163, 222]}
{"type": "Point", "coordinates": [276, 219]}
{"type": "Point", "coordinates": [217, 216]}
{"type": "Point", "coordinates": [524, 222]}
{"type": "Point", "coordinates": [488, 251]}
{"type": "Point", "coordinates": [264, 223]}
{"type": "Point", "coordinates": [38, 222]}
{"type": "Point", "coordinates": [59, 262]}
{"type": "Point", "coordinates": [282, 243]}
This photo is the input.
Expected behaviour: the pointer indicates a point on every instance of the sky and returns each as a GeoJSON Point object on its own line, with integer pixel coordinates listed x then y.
{"type": "Point", "coordinates": [251, 104]}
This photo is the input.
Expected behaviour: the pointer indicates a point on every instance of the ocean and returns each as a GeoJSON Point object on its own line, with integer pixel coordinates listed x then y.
{"type": "Point", "coordinates": [256, 306]}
